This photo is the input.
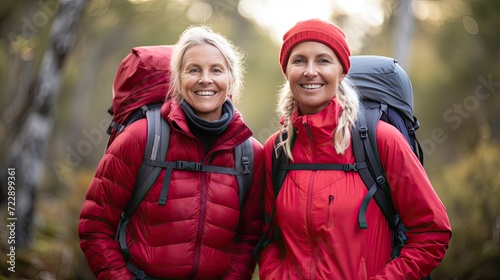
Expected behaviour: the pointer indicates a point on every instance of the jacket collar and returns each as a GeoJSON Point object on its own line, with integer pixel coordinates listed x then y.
{"type": "Point", "coordinates": [236, 133]}
{"type": "Point", "coordinates": [315, 135]}
{"type": "Point", "coordinates": [321, 123]}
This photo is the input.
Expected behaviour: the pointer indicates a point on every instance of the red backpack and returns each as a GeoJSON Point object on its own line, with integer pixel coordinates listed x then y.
{"type": "Point", "coordinates": [142, 79]}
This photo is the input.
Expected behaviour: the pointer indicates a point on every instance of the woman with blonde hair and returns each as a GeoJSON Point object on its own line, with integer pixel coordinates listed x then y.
{"type": "Point", "coordinates": [314, 216]}
{"type": "Point", "coordinates": [191, 224]}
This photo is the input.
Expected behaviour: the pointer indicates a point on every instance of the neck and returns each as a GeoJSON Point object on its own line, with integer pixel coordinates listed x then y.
{"type": "Point", "coordinates": [216, 126]}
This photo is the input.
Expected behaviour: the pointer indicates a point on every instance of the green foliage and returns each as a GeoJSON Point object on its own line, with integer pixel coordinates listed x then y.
{"type": "Point", "coordinates": [459, 64]}
{"type": "Point", "coordinates": [56, 253]}
{"type": "Point", "coordinates": [470, 190]}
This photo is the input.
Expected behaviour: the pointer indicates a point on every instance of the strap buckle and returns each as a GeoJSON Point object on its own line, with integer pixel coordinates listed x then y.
{"type": "Point", "coordinates": [141, 275]}
{"type": "Point", "coordinates": [363, 131]}
{"type": "Point", "coordinates": [246, 163]}
{"type": "Point", "coordinates": [351, 167]}
{"type": "Point", "coordinates": [381, 181]}
{"type": "Point", "coordinates": [188, 165]}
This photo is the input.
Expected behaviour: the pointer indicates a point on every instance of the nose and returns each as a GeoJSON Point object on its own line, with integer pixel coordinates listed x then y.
{"type": "Point", "coordinates": [205, 78]}
{"type": "Point", "coordinates": [310, 70]}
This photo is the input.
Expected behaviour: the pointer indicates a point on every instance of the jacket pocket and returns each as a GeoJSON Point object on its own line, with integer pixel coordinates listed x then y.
{"type": "Point", "coordinates": [362, 275]}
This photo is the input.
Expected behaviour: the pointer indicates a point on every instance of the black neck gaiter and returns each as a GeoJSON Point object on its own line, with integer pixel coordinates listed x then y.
{"type": "Point", "coordinates": [208, 131]}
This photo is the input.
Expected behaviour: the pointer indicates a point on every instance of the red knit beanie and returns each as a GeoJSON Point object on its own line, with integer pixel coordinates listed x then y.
{"type": "Point", "coordinates": [318, 31]}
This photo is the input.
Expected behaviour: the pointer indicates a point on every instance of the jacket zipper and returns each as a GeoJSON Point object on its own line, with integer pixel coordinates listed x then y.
{"type": "Point", "coordinates": [309, 202]}
{"type": "Point", "coordinates": [330, 210]}
{"type": "Point", "coordinates": [201, 221]}
{"type": "Point", "coordinates": [203, 204]}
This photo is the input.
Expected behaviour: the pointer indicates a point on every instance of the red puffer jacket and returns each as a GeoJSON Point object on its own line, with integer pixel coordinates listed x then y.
{"type": "Point", "coordinates": [317, 211]}
{"type": "Point", "coordinates": [201, 232]}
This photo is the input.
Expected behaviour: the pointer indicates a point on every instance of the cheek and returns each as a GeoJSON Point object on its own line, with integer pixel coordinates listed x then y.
{"type": "Point", "coordinates": [293, 74]}
{"type": "Point", "coordinates": [224, 83]}
{"type": "Point", "coordinates": [187, 83]}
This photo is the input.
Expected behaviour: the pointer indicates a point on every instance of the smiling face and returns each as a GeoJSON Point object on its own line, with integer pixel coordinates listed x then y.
{"type": "Point", "coordinates": [205, 80]}
{"type": "Point", "coordinates": [314, 73]}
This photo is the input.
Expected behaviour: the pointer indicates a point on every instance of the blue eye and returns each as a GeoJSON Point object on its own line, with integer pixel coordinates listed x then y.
{"type": "Point", "coordinates": [297, 61]}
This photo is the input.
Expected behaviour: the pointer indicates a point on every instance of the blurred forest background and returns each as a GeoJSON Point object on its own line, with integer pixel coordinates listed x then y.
{"type": "Point", "coordinates": [58, 60]}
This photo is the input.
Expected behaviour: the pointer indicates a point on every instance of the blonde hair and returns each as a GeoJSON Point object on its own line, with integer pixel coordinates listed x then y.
{"type": "Point", "coordinates": [202, 34]}
{"type": "Point", "coordinates": [349, 101]}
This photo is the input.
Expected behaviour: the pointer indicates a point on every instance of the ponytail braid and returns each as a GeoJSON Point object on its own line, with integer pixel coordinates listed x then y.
{"type": "Point", "coordinates": [349, 101]}
{"type": "Point", "coordinates": [286, 106]}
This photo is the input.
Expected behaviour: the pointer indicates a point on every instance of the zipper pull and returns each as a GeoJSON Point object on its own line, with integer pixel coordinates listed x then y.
{"type": "Point", "coordinates": [330, 199]}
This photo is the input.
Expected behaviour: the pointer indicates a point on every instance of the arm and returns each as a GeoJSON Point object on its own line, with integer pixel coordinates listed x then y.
{"type": "Point", "coordinates": [106, 198]}
{"type": "Point", "coordinates": [419, 207]}
{"type": "Point", "coordinates": [251, 222]}
{"type": "Point", "coordinates": [270, 257]}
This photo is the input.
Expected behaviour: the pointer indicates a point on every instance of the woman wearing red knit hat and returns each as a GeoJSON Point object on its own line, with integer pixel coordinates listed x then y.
{"type": "Point", "coordinates": [313, 219]}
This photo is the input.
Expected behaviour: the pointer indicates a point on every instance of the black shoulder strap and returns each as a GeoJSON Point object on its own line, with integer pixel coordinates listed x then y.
{"type": "Point", "coordinates": [243, 170]}
{"type": "Point", "coordinates": [156, 149]}
{"type": "Point", "coordinates": [278, 175]}
{"type": "Point", "coordinates": [365, 150]}
{"type": "Point", "coordinates": [417, 148]}
{"type": "Point", "coordinates": [243, 160]}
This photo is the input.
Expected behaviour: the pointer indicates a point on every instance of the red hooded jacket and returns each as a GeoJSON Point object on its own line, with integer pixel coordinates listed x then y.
{"type": "Point", "coordinates": [317, 211]}
{"type": "Point", "coordinates": [201, 232]}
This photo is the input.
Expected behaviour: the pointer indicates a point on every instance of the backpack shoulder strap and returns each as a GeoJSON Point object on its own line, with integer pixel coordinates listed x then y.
{"type": "Point", "coordinates": [243, 160]}
{"type": "Point", "coordinates": [414, 143]}
{"type": "Point", "coordinates": [278, 177]}
{"type": "Point", "coordinates": [365, 150]}
{"type": "Point", "coordinates": [278, 174]}
{"type": "Point", "coordinates": [156, 148]}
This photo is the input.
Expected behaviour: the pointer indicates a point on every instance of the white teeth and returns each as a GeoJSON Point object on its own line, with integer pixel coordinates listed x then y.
{"type": "Point", "coordinates": [206, 93]}
{"type": "Point", "coordinates": [309, 86]}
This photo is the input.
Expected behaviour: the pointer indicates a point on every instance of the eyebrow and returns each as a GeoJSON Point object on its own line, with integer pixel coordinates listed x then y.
{"type": "Point", "coordinates": [318, 55]}
{"type": "Point", "coordinates": [192, 64]}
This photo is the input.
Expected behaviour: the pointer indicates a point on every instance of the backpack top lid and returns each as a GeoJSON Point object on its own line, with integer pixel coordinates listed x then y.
{"type": "Point", "coordinates": [382, 79]}
{"type": "Point", "coordinates": [142, 78]}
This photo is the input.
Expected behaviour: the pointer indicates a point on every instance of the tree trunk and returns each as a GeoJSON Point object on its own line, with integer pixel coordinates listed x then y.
{"type": "Point", "coordinates": [403, 33]}
{"type": "Point", "coordinates": [28, 152]}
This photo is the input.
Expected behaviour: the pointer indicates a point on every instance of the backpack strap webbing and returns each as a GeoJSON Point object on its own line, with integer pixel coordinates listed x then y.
{"type": "Point", "coordinates": [414, 143]}
{"type": "Point", "coordinates": [321, 166]}
{"type": "Point", "coordinates": [365, 149]}
{"type": "Point", "coordinates": [137, 114]}
{"type": "Point", "coordinates": [158, 129]}
{"type": "Point", "coordinates": [278, 177]}
{"type": "Point", "coordinates": [169, 166]}
{"type": "Point", "coordinates": [243, 160]}
{"type": "Point", "coordinates": [278, 159]}
{"type": "Point", "coordinates": [243, 168]}
{"type": "Point", "coordinates": [140, 274]}
{"type": "Point", "coordinates": [156, 149]}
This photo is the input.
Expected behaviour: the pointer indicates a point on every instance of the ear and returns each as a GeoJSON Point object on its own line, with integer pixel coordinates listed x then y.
{"type": "Point", "coordinates": [342, 77]}
{"type": "Point", "coordinates": [284, 76]}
